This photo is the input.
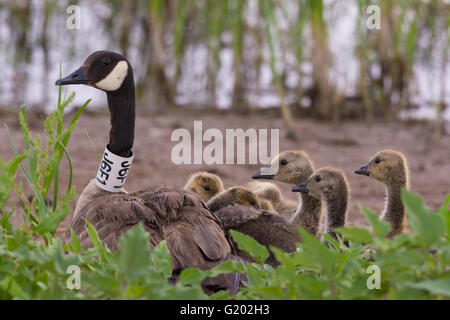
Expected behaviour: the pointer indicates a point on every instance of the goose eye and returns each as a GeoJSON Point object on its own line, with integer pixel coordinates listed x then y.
{"type": "Point", "coordinates": [377, 160]}
{"type": "Point", "coordinates": [106, 61]}
{"type": "Point", "coordinates": [253, 202]}
{"type": "Point", "coordinates": [283, 162]}
{"type": "Point", "coordinates": [318, 178]}
{"type": "Point", "coordinates": [207, 188]}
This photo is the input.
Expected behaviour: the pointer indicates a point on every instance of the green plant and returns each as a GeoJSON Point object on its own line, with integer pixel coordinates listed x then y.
{"type": "Point", "coordinates": [34, 264]}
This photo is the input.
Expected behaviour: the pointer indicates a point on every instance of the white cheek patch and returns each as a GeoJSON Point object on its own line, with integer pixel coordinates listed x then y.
{"type": "Point", "coordinates": [115, 78]}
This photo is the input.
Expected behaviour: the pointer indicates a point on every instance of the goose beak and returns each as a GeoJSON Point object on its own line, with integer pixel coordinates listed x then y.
{"type": "Point", "coordinates": [302, 187]}
{"type": "Point", "coordinates": [77, 77]}
{"type": "Point", "coordinates": [364, 170]}
{"type": "Point", "coordinates": [258, 175]}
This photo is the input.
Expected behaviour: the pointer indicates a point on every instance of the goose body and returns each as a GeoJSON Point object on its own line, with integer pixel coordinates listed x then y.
{"type": "Point", "coordinates": [195, 236]}
{"type": "Point", "coordinates": [268, 228]}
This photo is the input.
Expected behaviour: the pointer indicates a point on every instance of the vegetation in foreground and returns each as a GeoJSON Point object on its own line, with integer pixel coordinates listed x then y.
{"type": "Point", "coordinates": [36, 265]}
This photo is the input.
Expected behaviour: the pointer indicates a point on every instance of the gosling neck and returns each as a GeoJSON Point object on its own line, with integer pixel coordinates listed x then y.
{"type": "Point", "coordinates": [336, 212]}
{"type": "Point", "coordinates": [308, 214]}
{"type": "Point", "coordinates": [121, 104]}
{"type": "Point", "coordinates": [394, 212]}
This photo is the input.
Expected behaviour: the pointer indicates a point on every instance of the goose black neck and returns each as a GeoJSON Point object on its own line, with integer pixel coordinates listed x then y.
{"type": "Point", "coordinates": [122, 106]}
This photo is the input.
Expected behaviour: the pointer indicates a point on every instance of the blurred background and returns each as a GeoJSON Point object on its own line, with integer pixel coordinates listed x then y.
{"type": "Point", "coordinates": [312, 68]}
{"type": "Point", "coordinates": [311, 57]}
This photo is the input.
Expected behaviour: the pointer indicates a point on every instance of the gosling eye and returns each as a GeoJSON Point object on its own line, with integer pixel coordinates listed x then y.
{"type": "Point", "coordinates": [253, 202]}
{"type": "Point", "coordinates": [318, 178]}
{"type": "Point", "coordinates": [106, 61]}
{"type": "Point", "coordinates": [377, 160]}
{"type": "Point", "coordinates": [207, 188]}
{"type": "Point", "coordinates": [283, 162]}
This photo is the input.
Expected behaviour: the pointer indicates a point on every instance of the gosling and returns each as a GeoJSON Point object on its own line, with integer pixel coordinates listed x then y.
{"type": "Point", "coordinates": [391, 168]}
{"type": "Point", "coordinates": [205, 184]}
{"type": "Point", "coordinates": [330, 185]}
{"type": "Point", "coordinates": [295, 167]}
{"type": "Point", "coordinates": [239, 209]}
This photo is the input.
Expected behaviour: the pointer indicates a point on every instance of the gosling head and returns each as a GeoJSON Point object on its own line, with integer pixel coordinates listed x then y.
{"type": "Point", "coordinates": [205, 184]}
{"type": "Point", "coordinates": [293, 166]}
{"type": "Point", "coordinates": [232, 196]}
{"type": "Point", "coordinates": [387, 166]}
{"type": "Point", "coordinates": [104, 70]}
{"type": "Point", "coordinates": [325, 184]}
{"type": "Point", "coordinates": [267, 205]}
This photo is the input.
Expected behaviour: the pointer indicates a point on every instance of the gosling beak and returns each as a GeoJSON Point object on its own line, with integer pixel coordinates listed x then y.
{"type": "Point", "coordinates": [258, 175]}
{"type": "Point", "coordinates": [77, 77]}
{"type": "Point", "coordinates": [302, 187]}
{"type": "Point", "coordinates": [364, 170]}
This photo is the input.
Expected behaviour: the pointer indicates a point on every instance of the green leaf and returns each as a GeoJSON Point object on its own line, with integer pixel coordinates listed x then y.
{"type": "Point", "coordinates": [75, 242]}
{"type": "Point", "coordinates": [251, 246]}
{"type": "Point", "coordinates": [50, 222]}
{"type": "Point", "coordinates": [438, 286]}
{"type": "Point", "coordinates": [444, 211]}
{"type": "Point", "coordinates": [428, 225]}
{"type": "Point", "coordinates": [132, 258]}
{"type": "Point", "coordinates": [95, 239]}
{"type": "Point", "coordinates": [355, 234]}
{"type": "Point", "coordinates": [190, 276]}
{"type": "Point", "coordinates": [317, 252]}
{"type": "Point", "coordinates": [380, 227]}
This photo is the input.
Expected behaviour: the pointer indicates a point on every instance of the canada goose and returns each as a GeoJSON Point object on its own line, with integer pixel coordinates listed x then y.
{"type": "Point", "coordinates": [194, 235]}
{"type": "Point", "coordinates": [265, 227]}
{"type": "Point", "coordinates": [328, 184]}
{"type": "Point", "coordinates": [391, 168]}
{"type": "Point", "coordinates": [294, 167]}
{"type": "Point", "coordinates": [205, 184]}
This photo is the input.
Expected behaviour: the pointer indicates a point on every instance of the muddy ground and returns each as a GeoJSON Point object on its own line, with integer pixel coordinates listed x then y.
{"type": "Point", "coordinates": [346, 146]}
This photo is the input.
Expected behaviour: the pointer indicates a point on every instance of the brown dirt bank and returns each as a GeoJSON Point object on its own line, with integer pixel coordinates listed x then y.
{"type": "Point", "coordinates": [346, 146]}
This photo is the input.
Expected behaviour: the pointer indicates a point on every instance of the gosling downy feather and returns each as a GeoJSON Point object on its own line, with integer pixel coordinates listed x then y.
{"type": "Point", "coordinates": [391, 168]}
{"type": "Point", "coordinates": [330, 185]}
{"type": "Point", "coordinates": [194, 235]}
{"type": "Point", "coordinates": [265, 227]}
{"type": "Point", "coordinates": [295, 167]}
{"type": "Point", "coordinates": [269, 192]}
{"type": "Point", "coordinates": [205, 184]}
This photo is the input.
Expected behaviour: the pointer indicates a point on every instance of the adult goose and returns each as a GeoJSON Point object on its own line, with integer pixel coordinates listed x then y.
{"type": "Point", "coordinates": [194, 235]}
{"type": "Point", "coordinates": [295, 167]}
{"type": "Point", "coordinates": [390, 167]}
{"type": "Point", "coordinates": [330, 185]}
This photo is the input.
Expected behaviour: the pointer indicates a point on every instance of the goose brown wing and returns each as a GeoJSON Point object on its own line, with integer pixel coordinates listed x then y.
{"type": "Point", "coordinates": [112, 215]}
{"type": "Point", "coordinates": [194, 235]}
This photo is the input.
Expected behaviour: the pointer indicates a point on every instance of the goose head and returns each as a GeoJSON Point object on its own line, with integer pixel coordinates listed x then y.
{"type": "Point", "coordinates": [293, 167]}
{"type": "Point", "coordinates": [387, 166]}
{"type": "Point", "coordinates": [325, 184]}
{"type": "Point", "coordinates": [104, 70]}
{"type": "Point", "coordinates": [205, 184]}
